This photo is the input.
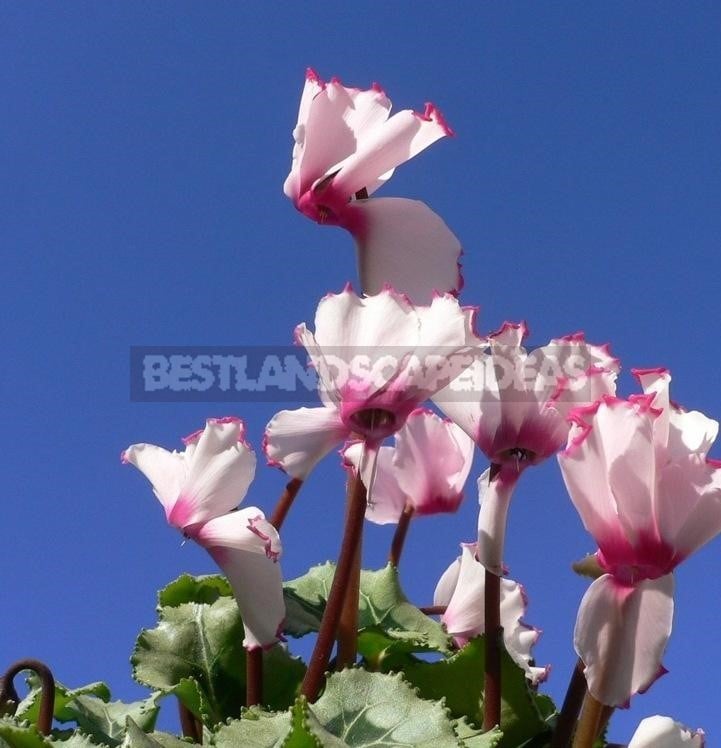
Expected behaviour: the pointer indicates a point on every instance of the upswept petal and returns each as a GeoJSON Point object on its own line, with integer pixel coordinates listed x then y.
{"type": "Point", "coordinates": [165, 470]}
{"type": "Point", "coordinates": [663, 732]}
{"type": "Point", "coordinates": [461, 588]}
{"type": "Point", "coordinates": [396, 141]}
{"type": "Point", "coordinates": [494, 496]}
{"type": "Point", "coordinates": [295, 440]}
{"type": "Point", "coordinates": [690, 431]}
{"type": "Point", "coordinates": [585, 465]}
{"type": "Point", "coordinates": [689, 504]}
{"type": "Point", "coordinates": [313, 86]}
{"type": "Point", "coordinates": [387, 500]}
{"type": "Point", "coordinates": [583, 390]}
{"type": "Point", "coordinates": [621, 633]}
{"type": "Point", "coordinates": [432, 459]}
{"type": "Point", "coordinates": [257, 584]}
{"type": "Point", "coordinates": [244, 530]}
{"type": "Point", "coordinates": [403, 243]}
{"type": "Point", "coordinates": [220, 470]}
{"type": "Point", "coordinates": [656, 383]}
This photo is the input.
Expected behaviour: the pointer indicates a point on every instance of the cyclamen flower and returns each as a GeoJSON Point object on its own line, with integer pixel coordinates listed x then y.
{"type": "Point", "coordinates": [346, 146]}
{"type": "Point", "coordinates": [663, 732]}
{"type": "Point", "coordinates": [425, 470]}
{"type": "Point", "coordinates": [377, 358]}
{"type": "Point", "coordinates": [638, 474]}
{"type": "Point", "coordinates": [461, 589]}
{"type": "Point", "coordinates": [514, 405]}
{"type": "Point", "coordinates": [199, 488]}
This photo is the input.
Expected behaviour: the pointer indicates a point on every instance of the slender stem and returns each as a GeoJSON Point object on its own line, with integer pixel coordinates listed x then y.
{"type": "Point", "coordinates": [348, 624]}
{"type": "Point", "coordinates": [566, 722]}
{"type": "Point", "coordinates": [285, 502]}
{"type": "Point", "coordinates": [501, 485]}
{"type": "Point", "coordinates": [253, 676]}
{"type": "Point", "coordinates": [47, 690]}
{"type": "Point", "coordinates": [329, 624]}
{"type": "Point", "coordinates": [588, 725]}
{"type": "Point", "coordinates": [493, 645]}
{"type": "Point", "coordinates": [433, 610]}
{"type": "Point", "coordinates": [189, 724]}
{"type": "Point", "coordinates": [399, 537]}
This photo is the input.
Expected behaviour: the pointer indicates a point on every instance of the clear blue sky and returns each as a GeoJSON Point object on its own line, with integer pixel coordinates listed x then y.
{"type": "Point", "coordinates": [143, 148]}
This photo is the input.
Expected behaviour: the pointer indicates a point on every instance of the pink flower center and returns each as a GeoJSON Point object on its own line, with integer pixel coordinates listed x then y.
{"type": "Point", "coordinates": [373, 423]}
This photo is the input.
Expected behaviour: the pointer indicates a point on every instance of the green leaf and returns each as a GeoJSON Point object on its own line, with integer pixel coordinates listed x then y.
{"type": "Point", "coordinates": [474, 737]}
{"type": "Point", "coordinates": [197, 653]}
{"type": "Point", "coordinates": [29, 707]}
{"type": "Point", "coordinates": [14, 735]}
{"type": "Point", "coordinates": [135, 737]}
{"type": "Point", "coordinates": [105, 721]}
{"type": "Point", "coordinates": [306, 730]}
{"type": "Point", "coordinates": [459, 680]}
{"type": "Point", "coordinates": [189, 589]}
{"type": "Point", "coordinates": [76, 739]}
{"type": "Point", "coordinates": [255, 729]}
{"type": "Point", "coordinates": [373, 709]}
{"type": "Point", "coordinates": [382, 607]}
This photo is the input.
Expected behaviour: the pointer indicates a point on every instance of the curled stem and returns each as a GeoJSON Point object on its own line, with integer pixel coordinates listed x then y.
{"type": "Point", "coordinates": [47, 690]}
{"type": "Point", "coordinates": [352, 536]}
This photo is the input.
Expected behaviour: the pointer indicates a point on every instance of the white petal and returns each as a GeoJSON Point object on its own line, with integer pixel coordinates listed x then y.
{"type": "Point", "coordinates": [400, 138]}
{"type": "Point", "coordinates": [258, 589]}
{"type": "Point", "coordinates": [295, 440]}
{"type": "Point", "coordinates": [165, 470]}
{"type": "Point", "coordinates": [621, 633]}
{"type": "Point", "coordinates": [656, 383]}
{"type": "Point", "coordinates": [387, 500]}
{"type": "Point", "coordinates": [464, 617]}
{"type": "Point", "coordinates": [495, 498]}
{"type": "Point", "coordinates": [313, 86]}
{"type": "Point", "coordinates": [404, 244]}
{"type": "Point", "coordinates": [663, 732]}
{"type": "Point", "coordinates": [245, 530]}
{"type": "Point", "coordinates": [220, 470]}
{"type": "Point", "coordinates": [690, 431]}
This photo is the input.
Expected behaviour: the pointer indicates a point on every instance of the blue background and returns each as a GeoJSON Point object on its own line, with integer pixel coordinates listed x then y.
{"type": "Point", "coordinates": [143, 148]}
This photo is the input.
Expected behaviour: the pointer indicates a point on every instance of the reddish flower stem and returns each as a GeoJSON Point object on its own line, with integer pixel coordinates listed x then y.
{"type": "Point", "coordinates": [433, 610]}
{"type": "Point", "coordinates": [399, 537]}
{"type": "Point", "coordinates": [253, 676]}
{"type": "Point", "coordinates": [285, 502]}
{"type": "Point", "coordinates": [189, 724]}
{"type": "Point", "coordinates": [493, 645]}
{"type": "Point", "coordinates": [572, 703]}
{"type": "Point", "coordinates": [47, 690]}
{"type": "Point", "coordinates": [589, 724]}
{"type": "Point", "coordinates": [352, 536]}
{"type": "Point", "coordinates": [348, 624]}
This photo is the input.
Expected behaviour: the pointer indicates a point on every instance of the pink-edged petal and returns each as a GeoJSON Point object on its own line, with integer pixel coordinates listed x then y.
{"type": "Point", "coordinates": [313, 86]}
{"type": "Point", "coordinates": [584, 465]}
{"type": "Point", "coordinates": [295, 440]}
{"type": "Point", "coordinates": [583, 390]}
{"type": "Point", "coordinates": [345, 321]}
{"type": "Point", "coordinates": [460, 400]}
{"type": "Point", "coordinates": [621, 633]}
{"type": "Point", "coordinates": [464, 617]}
{"type": "Point", "coordinates": [220, 470]}
{"type": "Point", "coordinates": [165, 470]}
{"type": "Point", "coordinates": [432, 459]}
{"type": "Point", "coordinates": [381, 149]}
{"type": "Point", "coordinates": [494, 496]}
{"type": "Point", "coordinates": [403, 243]}
{"type": "Point", "coordinates": [689, 504]}
{"type": "Point", "coordinates": [664, 732]}
{"type": "Point", "coordinates": [387, 499]}
{"type": "Point", "coordinates": [656, 383]}
{"type": "Point", "coordinates": [245, 530]}
{"type": "Point", "coordinates": [257, 584]}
